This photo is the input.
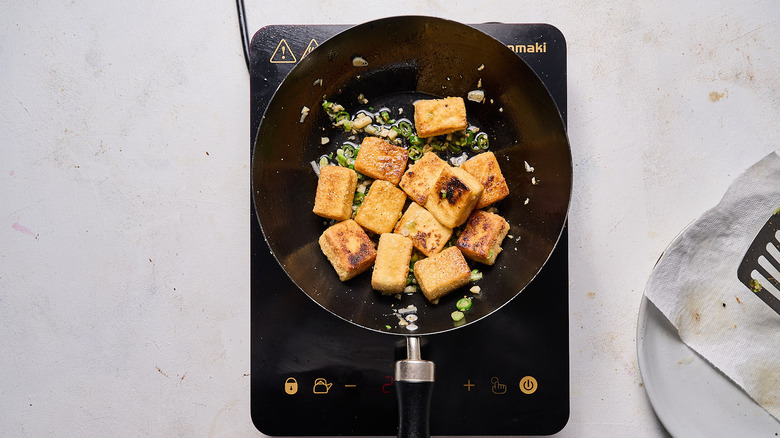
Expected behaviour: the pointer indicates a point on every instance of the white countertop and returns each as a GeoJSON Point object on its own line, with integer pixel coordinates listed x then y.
{"type": "Point", "coordinates": [124, 222]}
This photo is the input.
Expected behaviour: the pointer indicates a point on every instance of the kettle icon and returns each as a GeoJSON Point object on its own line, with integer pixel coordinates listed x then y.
{"type": "Point", "coordinates": [321, 386]}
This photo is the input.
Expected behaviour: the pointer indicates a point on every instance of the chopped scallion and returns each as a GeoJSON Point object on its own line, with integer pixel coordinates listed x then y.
{"type": "Point", "coordinates": [349, 150]}
{"type": "Point", "coordinates": [341, 159]}
{"type": "Point", "coordinates": [405, 128]}
{"type": "Point", "coordinates": [482, 140]}
{"type": "Point", "coordinates": [415, 153]}
{"type": "Point", "coordinates": [463, 304]}
{"type": "Point", "coordinates": [457, 315]}
{"type": "Point", "coordinates": [415, 140]}
{"type": "Point", "coordinates": [476, 275]}
{"type": "Point", "coordinates": [385, 115]}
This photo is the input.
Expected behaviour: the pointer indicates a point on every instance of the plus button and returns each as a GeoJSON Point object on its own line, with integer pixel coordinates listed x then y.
{"type": "Point", "coordinates": [468, 385]}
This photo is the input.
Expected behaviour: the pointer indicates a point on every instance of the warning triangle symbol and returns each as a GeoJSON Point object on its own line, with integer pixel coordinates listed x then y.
{"type": "Point", "coordinates": [312, 45]}
{"type": "Point", "coordinates": [283, 54]}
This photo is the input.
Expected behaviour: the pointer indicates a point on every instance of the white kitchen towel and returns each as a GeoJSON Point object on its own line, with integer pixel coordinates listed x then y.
{"type": "Point", "coordinates": [695, 285]}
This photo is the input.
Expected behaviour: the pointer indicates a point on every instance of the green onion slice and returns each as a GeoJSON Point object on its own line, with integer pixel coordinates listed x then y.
{"type": "Point", "coordinates": [341, 159]}
{"type": "Point", "coordinates": [415, 140]}
{"type": "Point", "coordinates": [463, 304]}
{"type": "Point", "coordinates": [405, 128]}
{"type": "Point", "coordinates": [457, 315]}
{"type": "Point", "coordinates": [415, 152]}
{"type": "Point", "coordinates": [482, 141]}
{"type": "Point", "coordinates": [350, 151]}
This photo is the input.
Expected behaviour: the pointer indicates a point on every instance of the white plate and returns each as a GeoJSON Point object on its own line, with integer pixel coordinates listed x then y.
{"type": "Point", "coordinates": [691, 397]}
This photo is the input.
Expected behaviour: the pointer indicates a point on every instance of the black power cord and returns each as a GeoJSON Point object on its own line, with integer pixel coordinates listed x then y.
{"type": "Point", "coordinates": [242, 28]}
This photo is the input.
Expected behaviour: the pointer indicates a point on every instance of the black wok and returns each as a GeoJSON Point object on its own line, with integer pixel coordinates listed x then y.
{"type": "Point", "coordinates": [409, 58]}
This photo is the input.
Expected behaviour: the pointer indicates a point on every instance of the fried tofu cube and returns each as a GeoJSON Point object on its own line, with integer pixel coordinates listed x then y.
{"type": "Point", "coordinates": [391, 268]}
{"type": "Point", "coordinates": [442, 273]}
{"type": "Point", "coordinates": [420, 177]}
{"type": "Point", "coordinates": [348, 249]}
{"type": "Point", "coordinates": [485, 168]}
{"type": "Point", "coordinates": [439, 116]}
{"type": "Point", "coordinates": [379, 159]}
{"type": "Point", "coordinates": [453, 196]}
{"type": "Point", "coordinates": [426, 233]}
{"type": "Point", "coordinates": [335, 190]}
{"type": "Point", "coordinates": [481, 238]}
{"type": "Point", "coordinates": [381, 208]}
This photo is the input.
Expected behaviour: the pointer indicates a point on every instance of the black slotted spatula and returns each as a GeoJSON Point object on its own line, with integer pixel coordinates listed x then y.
{"type": "Point", "coordinates": [760, 266]}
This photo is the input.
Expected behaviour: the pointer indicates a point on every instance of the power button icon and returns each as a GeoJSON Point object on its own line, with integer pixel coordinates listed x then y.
{"type": "Point", "coordinates": [528, 385]}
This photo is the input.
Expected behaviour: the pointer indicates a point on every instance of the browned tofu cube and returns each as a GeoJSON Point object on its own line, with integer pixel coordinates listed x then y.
{"type": "Point", "coordinates": [453, 196]}
{"type": "Point", "coordinates": [335, 190]}
{"type": "Point", "coordinates": [348, 249]}
{"type": "Point", "coordinates": [379, 159]}
{"type": "Point", "coordinates": [481, 238]}
{"type": "Point", "coordinates": [391, 268]}
{"type": "Point", "coordinates": [442, 273]}
{"type": "Point", "coordinates": [420, 177]}
{"type": "Point", "coordinates": [381, 208]}
{"type": "Point", "coordinates": [485, 168]}
{"type": "Point", "coordinates": [439, 116]}
{"type": "Point", "coordinates": [427, 234]}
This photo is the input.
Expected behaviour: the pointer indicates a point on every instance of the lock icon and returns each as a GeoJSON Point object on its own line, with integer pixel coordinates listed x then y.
{"type": "Point", "coordinates": [321, 386]}
{"type": "Point", "coordinates": [290, 386]}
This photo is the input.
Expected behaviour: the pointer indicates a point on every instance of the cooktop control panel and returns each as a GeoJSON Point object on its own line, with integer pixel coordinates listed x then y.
{"type": "Point", "coordinates": [316, 375]}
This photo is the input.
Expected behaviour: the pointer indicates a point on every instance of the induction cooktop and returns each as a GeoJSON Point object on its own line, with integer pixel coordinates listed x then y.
{"type": "Point", "coordinates": [313, 374]}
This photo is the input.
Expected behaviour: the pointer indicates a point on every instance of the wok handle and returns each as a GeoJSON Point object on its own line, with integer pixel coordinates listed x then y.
{"type": "Point", "coordinates": [414, 386]}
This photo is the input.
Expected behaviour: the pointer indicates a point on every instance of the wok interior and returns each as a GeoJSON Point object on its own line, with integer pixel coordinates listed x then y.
{"type": "Point", "coordinates": [421, 55]}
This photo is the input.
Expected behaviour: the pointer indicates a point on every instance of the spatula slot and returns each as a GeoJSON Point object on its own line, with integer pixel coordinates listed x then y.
{"type": "Point", "coordinates": [761, 264]}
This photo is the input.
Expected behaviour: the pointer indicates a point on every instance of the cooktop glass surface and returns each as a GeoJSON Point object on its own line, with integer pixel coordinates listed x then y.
{"type": "Point", "coordinates": [313, 374]}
